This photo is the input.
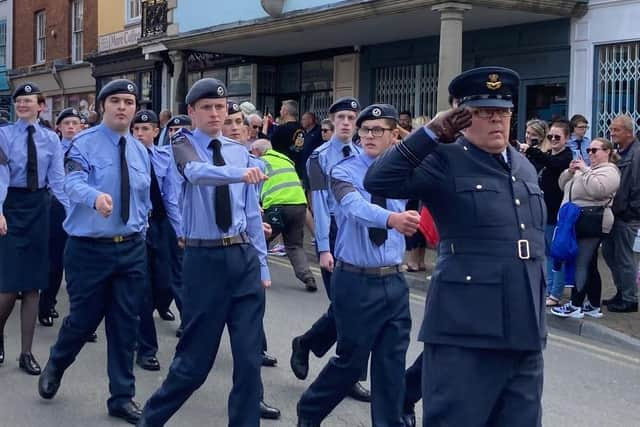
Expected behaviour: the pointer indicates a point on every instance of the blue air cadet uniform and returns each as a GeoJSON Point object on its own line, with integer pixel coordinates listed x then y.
{"type": "Point", "coordinates": [104, 259]}
{"type": "Point", "coordinates": [370, 296]}
{"type": "Point", "coordinates": [224, 262]}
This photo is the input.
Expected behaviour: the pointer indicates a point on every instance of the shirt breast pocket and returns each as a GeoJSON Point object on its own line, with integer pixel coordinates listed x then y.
{"type": "Point", "coordinates": [536, 205]}
{"type": "Point", "coordinates": [103, 171]}
{"type": "Point", "coordinates": [483, 199]}
{"type": "Point", "coordinates": [139, 178]}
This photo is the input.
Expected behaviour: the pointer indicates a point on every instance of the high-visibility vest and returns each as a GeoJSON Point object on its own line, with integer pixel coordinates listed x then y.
{"type": "Point", "coordinates": [283, 186]}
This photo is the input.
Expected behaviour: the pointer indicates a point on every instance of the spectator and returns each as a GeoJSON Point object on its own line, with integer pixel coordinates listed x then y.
{"type": "Point", "coordinates": [248, 108]}
{"type": "Point", "coordinates": [590, 186]}
{"type": "Point", "coordinates": [536, 136]}
{"type": "Point", "coordinates": [618, 247]}
{"type": "Point", "coordinates": [288, 136]}
{"type": "Point", "coordinates": [312, 140]}
{"type": "Point", "coordinates": [93, 118]}
{"type": "Point", "coordinates": [579, 141]}
{"type": "Point", "coordinates": [405, 121]}
{"type": "Point", "coordinates": [550, 164]}
{"type": "Point", "coordinates": [255, 127]}
{"type": "Point", "coordinates": [326, 129]}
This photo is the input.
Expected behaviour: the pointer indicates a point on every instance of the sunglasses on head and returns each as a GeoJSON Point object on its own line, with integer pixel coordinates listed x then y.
{"type": "Point", "coordinates": [594, 150]}
{"type": "Point", "coordinates": [554, 137]}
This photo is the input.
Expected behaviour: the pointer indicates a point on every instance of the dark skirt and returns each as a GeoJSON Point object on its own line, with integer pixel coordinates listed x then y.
{"type": "Point", "coordinates": [24, 251]}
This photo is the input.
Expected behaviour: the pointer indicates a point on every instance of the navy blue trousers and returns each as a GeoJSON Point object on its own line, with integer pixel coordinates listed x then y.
{"type": "Point", "coordinates": [372, 317]}
{"type": "Point", "coordinates": [104, 281]}
{"type": "Point", "coordinates": [176, 255]}
{"type": "Point", "coordinates": [221, 288]}
{"type": "Point", "coordinates": [481, 388]}
{"type": "Point", "coordinates": [413, 384]}
{"type": "Point", "coordinates": [158, 281]}
{"type": "Point", "coordinates": [57, 242]}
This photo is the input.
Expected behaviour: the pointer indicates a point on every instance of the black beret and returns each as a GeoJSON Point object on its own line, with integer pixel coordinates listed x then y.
{"type": "Point", "coordinates": [117, 86]}
{"type": "Point", "coordinates": [68, 112]}
{"type": "Point", "coordinates": [179, 120]}
{"type": "Point", "coordinates": [486, 87]}
{"type": "Point", "coordinates": [26, 89]}
{"type": "Point", "coordinates": [145, 116]}
{"type": "Point", "coordinates": [206, 88]}
{"type": "Point", "coordinates": [342, 104]}
{"type": "Point", "coordinates": [233, 108]}
{"type": "Point", "coordinates": [377, 111]}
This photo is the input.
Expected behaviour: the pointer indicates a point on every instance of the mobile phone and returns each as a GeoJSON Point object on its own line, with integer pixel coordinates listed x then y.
{"type": "Point", "coordinates": [576, 155]}
{"type": "Point", "coordinates": [535, 142]}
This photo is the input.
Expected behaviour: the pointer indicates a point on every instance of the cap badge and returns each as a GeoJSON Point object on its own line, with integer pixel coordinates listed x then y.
{"type": "Point", "coordinates": [130, 87]}
{"type": "Point", "coordinates": [74, 112]}
{"type": "Point", "coordinates": [354, 104]}
{"type": "Point", "coordinates": [494, 82]}
{"type": "Point", "coordinates": [236, 107]}
{"type": "Point", "coordinates": [28, 89]}
{"type": "Point", "coordinates": [376, 112]}
{"type": "Point", "coordinates": [220, 91]}
{"type": "Point", "coordinates": [144, 117]}
{"type": "Point", "coordinates": [176, 121]}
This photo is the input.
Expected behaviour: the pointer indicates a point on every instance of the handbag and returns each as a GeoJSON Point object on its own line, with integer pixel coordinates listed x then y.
{"type": "Point", "coordinates": [589, 223]}
{"type": "Point", "coordinates": [274, 217]}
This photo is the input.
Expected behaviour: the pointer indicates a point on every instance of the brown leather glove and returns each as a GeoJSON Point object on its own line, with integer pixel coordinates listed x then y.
{"type": "Point", "coordinates": [447, 124]}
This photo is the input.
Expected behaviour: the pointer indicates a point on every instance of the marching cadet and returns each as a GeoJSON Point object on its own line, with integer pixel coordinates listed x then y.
{"type": "Point", "coordinates": [69, 124]}
{"type": "Point", "coordinates": [485, 307]}
{"type": "Point", "coordinates": [370, 295]}
{"type": "Point", "coordinates": [108, 181]}
{"type": "Point", "coordinates": [322, 335]}
{"type": "Point", "coordinates": [225, 263]}
{"type": "Point", "coordinates": [181, 121]}
{"type": "Point", "coordinates": [30, 160]}
{"type": "Point", "coordinates": [164, 220]}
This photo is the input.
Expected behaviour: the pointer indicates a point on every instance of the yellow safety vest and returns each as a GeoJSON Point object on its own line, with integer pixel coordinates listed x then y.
{"type": "Point", "coordinates": [283, 186]}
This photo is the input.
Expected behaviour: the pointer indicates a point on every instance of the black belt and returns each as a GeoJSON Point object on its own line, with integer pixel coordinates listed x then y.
{"type": "Point", "coordinates": [113, 239]}
{"type": "Point", "coordinates": [218, 243]}
{"type": "Point", "coordinates": [369, 271]}
{"type": "Point", "coordinates": [522, 249]}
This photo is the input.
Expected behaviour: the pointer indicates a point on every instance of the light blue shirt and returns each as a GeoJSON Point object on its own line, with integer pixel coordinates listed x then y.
{"type": "Point", "coordinates": [165, 169]}
{"type": "Point", "coordinates": [201, 178]}
{"type": "Point", "coordinates": [92, 165]}
{"type": "Point", "coordinates": [584, 144]}
{"type": "Point", "coordinates": [319, 166]}
{"type": "Point", "coordinates": [65, 144]}
{"type": "Point", "coordinates": [13, 160]}
{"type": "Point", "coordinates": [355, 214]}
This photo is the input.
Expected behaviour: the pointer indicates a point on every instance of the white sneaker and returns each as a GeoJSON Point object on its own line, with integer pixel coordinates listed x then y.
{"type": "Point", "coordinates": [592, 311]}
{"type": "Point", "coordinates": [568, 310]}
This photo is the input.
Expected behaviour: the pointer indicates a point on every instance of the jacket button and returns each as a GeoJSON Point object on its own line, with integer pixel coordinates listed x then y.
{"type": "Point", "coordinates": [465, 148]}
{"type": "Point", "coordinates": [513, 178]}
{"type": "Point", "coordinates": [522, 226]}
{"type": "Point", "coordinates": [468, 278]}
{"type": "Point", "coordinates": [478, 187]}
{"type": "Point", "coordinates": [517, 202]}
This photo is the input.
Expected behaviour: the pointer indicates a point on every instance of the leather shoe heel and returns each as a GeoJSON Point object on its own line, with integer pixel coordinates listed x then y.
{"type": "Point", "coordinates": [269, 412]}
{"type": "Point", "coordinates": [359, 393]}
{"type": "Point", "coordinates": [130, 412]}
{"type": "Point", "coordinates": [49, 382]}
{"type": "Point", "coordinates": [46, 320]}
{"type": "Point", "coordinates": [149, 363]}
{"type": "Point", "coordinates": [269, 360]}
{"type": "Point", "coordinates": [54, 313]}
{"type": "Point", "coordinates": [29, 364]}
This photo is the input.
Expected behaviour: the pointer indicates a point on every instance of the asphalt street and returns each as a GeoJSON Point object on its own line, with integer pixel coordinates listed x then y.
{"type": "Point", "coordinates": [586, 384]}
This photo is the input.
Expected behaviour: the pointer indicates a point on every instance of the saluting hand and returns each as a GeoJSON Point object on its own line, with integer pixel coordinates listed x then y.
{"type": "Point", "coordinates": [3, 225]}
{"type": "Point", "coordinates": [447, 124]}
{"type": "Point", "coordinates": [254, 176]}
{"type": "Point", "coordinates": [405, 222]}
{"type": "Point", "coordinates": [104, 204]}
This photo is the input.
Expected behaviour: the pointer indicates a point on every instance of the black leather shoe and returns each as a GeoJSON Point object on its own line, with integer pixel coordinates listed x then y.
{"type": "Point", "coordinates": [299, 358]}
{"type": "Point", "coordinates": [54, 313]}
{"type": "Point", "coordinates": [143, 423]}
{"type": "Point", "coordinates": [179, 332]}
{"type": "Point", "coordinates": [623, 307]}
{"type": "Point", "coordinates": [49, 382]}
{"type": "Point", "coordinates": [1, 349]}
{"type": "Point", "coordinates": [130, 412]}
{"type": "Point", "coordinates": [269, 412]}
{"type": "Point", "coordinates": [28, 363]}
{"type": "Point", "coordinates": [409, 419]}
{"type": "Point", "coordinates": [303, 422]}
{"type": "Point", "coordinates": [149, 363]}
{"type": "Point", "coordinates": [268, 360]}
{"type": "Point", "coordinates": [45, 320]}
{"type": "Point", "coordinates": [614, 299]}
{"type": "Point", "coordinates": [167, 315]}
{"type": "Point", "coordinates": [359, 393]}
{"type": "Point", "coordinates": [310, 285]}
{"type": "Point", "coordinates": [92, 338]}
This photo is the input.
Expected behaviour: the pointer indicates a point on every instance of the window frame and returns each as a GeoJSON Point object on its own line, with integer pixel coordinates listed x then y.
{"type": "Point", "coordinates": [132, 19]}
{"type": "Point", "coordinates": [41, 37]}
{"type": "Point", "coordinates": [77, 34]}
{"type": "Point", "coordinates": [3, 43]}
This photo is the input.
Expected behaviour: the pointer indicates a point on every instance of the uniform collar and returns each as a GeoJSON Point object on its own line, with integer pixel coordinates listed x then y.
{"type": "Point", "coordinates": [204, 140]}
{"type": "Point", "coordinates": [22, 124]}
{"type": "Point", "coordinates": [367, 159]}
{"type": "Point", "coordinates": [337, 144]}
{"type": "Point", "coordinates": [113, 136]}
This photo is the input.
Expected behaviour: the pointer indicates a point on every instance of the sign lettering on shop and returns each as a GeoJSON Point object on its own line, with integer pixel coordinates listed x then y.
{"type": "Point", "coordinates": [119, 39]}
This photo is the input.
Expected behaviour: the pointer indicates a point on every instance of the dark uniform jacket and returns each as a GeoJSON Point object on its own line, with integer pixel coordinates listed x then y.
{"type": "Point", "coordinates": [483, 293]}
{"type": "Point", "coordinates": [626, 204]}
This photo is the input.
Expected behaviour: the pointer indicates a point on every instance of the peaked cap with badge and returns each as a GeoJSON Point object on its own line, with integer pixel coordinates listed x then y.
{"type": "Point", "coordinates": [493, 87]}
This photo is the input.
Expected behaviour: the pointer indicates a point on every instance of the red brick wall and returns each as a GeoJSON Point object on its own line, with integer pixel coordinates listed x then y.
{"type": "Point", "coordinates": [59, 22]}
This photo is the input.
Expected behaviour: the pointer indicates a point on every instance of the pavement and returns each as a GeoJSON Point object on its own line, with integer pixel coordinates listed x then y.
{"type": "Point", "coordinates": [587, 384]}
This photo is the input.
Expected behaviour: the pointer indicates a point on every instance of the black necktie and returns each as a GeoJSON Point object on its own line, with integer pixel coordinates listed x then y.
{"type": "Point", "coordinates": [124, 181]}
{"type": "Point", "coordinates": [222, 199]}
{"type": "Point", "coordinates": [378, 235]}
{"type": "Point", "coordinates": [346, 151]}
{"type": "Point", "coordinates": [156, 196]}
{"type": "Point", "coordinates": [32, 160]}
{"type": "Point", "coordinates": [503, 163]}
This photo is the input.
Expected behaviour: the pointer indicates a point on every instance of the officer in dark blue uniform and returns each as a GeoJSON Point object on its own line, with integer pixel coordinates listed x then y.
{"type": "Point", "coordinates": [370, 295]}
{"type": "Point", "coordinates": [225, 263]}
{"type": "Point", "coordinates": [108, 181]}
{"type": "Point", "coordinates": [164, 220]}
{"type": "Point", "coordinates": [484, 325]}
{"type": "Point", "coordinates": [30, 161]}
{"type": "Point", "coordinates": [69, 124]}
{"type": "Point", "coordinates": [322, 335]}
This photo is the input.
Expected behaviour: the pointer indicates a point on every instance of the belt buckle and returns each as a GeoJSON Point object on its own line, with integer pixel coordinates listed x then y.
{"type": "Point", "coordinates": [118, 239]}
{"type": "Point", "coordinates": [523, 249]}
{"type": "Point", "coordinates": [226, 241]}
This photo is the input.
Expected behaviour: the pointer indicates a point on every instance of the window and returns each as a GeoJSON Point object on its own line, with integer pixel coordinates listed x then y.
{"type": "Point", "coordinates": [77, 18]}
{"type": "Point", "coordinates": [409, 87]}
{"type": "Point", "coordinates": [41, 37]}
{"type": "Point", "coordinates": [3, 43]}
{"type": "Point", "coordinates": [133, 11]}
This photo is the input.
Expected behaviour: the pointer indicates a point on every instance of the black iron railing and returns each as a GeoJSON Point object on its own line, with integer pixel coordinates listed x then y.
{"type": "Point", "coordinates": [154, 18]}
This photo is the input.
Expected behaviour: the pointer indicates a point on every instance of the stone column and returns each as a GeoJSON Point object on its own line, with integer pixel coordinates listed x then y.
{"type": "Point", "coordinates": [450, 62]}
{"type": "Point", "coordinates": [178, 82]}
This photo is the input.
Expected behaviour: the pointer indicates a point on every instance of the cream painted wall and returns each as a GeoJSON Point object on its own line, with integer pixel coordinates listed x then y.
{"type": "Point", "coordinates": [110, 16]}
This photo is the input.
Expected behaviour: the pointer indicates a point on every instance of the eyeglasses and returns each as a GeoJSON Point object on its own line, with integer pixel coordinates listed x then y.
{"type": "Point", "coordinates": [594, 150]}
{"type": "Point", "coordinates": [376, 132]}
{"type": "Point", "coordinates": [582, 127]}
{"type": "Point", "coordinates": [488, 113]}
{"type": "Point", "coordinates": [554, 137]}
{"type": "Point", "coordinates": [325, 130]}
{"type": "Point", "coordinates": [256, 126]}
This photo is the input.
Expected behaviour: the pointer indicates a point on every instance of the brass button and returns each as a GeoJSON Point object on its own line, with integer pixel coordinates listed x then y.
{"type": "Point", "coordinates": [513, 178]}
{"type": "Point", "coordinates": [465, 148]}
